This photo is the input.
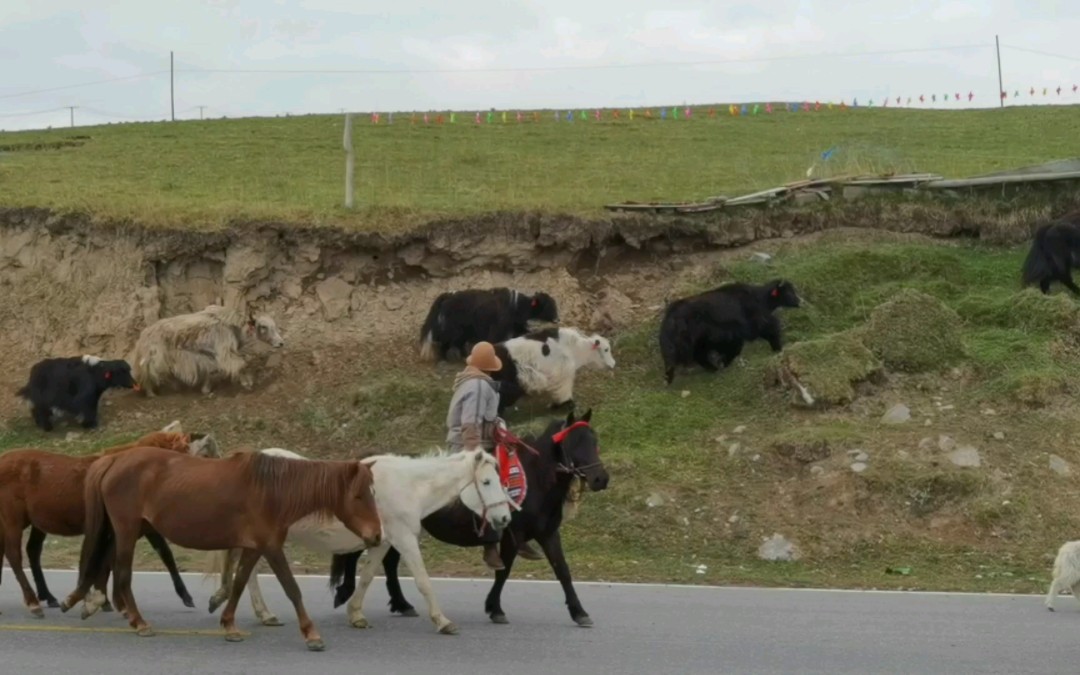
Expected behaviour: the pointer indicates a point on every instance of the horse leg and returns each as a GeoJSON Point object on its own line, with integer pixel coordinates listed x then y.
{"type": "Point", "coordinates": [13, 551]}
{"type": "Point", "coordinates": [228, 565]}
{"type": "Point", "coordinates": [347, 586]}
{"type": "Point", "coordinates": [367, 574]}
{"type": "Point", "coordinates": [552, 545]}
{"type": "Point", "coordinates": [34, 545]}
{"type": "Point", "coordinates": [123, 559]}
{"type": "Point", "coordinates": [398, 603]}
{"type": "Point", "coordinates": [248, 558]}
{"type": "Point", "coordinates": [493, 602]}
{"type": "Point", "coordinates": [409, 547]}
{"type": "Point", "coordinates": [280, 565]}
{"type": "Point", "coordinates": [165, 553]}
{"type": "Point", "coordinates": [258, 603]}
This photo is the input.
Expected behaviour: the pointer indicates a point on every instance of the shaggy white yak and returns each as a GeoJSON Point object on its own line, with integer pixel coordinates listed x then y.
{"type": "Point", "coordinates": [200, 348]}
{"type": "Point", "coordinates": [1066, 572]}
{"type": "Point", "coordinates": [552, 374]}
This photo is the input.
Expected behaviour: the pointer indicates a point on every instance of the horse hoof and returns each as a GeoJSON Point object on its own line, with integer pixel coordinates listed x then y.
{"type": "Point", "coordinates": [37, 612]}
{"type": "Point", "coordinates": [449, 629]}
{"type": "Point", "coordinates": [234, 637]}
{"type": "Point", "coordinates": [214, 604]}
{"type": "Point", "coordinates": [107, 607]}
{"type": "Point", "coordinates": [87, 613]}
{"type": "Point", "coordinates": [52, 603]}
{"type": "Point", "coordinates": [584, 621]}
{"type": "Point", "coordinates": [411, 612]}
{"type": "Point", "coordinates": [316, 645]}
{"type": "Point", "coordinates": [361, 624]}
{"type": "Point", "coordinates": [64, 606]}
{"type": "Point", "coordinates": [145, 631]}
{"type": "Point", "coordinates": [499, 619]}
{"type": "Point", "coordinates": [188, 602]}
{"type": "Point", "coordinates": [272, 621]}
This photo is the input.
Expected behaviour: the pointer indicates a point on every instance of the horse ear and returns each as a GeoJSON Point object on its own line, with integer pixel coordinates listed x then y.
{"type": "Point", "coordinates": [570, 418]}
{"type": "Point", "coordinates": [479, 457]}
{"type": "Point", "coordinates": [587, 416]}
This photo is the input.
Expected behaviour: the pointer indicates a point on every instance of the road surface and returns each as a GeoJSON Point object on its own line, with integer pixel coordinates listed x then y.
{"type": "Point", "coordinates": [639, 629]}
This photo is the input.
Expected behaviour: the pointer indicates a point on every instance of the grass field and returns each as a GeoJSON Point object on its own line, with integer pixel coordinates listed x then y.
{"type": "Point", "coordinates": [207, 174]}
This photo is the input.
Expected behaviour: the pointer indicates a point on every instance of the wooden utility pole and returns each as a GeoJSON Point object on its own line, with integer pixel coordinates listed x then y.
{"type": "Point", "coordinates": [71, 108]}
{"type": "Point", "coordinates": [172, 87]}
{"type": "Point", "coordinates": [349, 161]}
{"type": "Point", "coordinates": [1001, 85]}
{"type": "Point", "coordinates": [201, 108]}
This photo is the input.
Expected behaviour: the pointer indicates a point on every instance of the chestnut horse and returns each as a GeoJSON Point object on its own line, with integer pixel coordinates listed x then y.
{"type": "Point", "coordinates": [247, 500]}
{"type": "Point", "coordinates": [44, 491]}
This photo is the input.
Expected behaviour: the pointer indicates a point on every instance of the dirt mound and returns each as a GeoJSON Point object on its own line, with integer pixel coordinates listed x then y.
{"type": "Point", "coordinates": [914, 332]}
{"type": "Point", "coordinates": [824, 372]}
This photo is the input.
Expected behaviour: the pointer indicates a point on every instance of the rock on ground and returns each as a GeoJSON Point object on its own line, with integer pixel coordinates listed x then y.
{"type": "Point", "coordinates": [966, 456]}
{"type": "Point", "coordinates": [898, 414]}
{"type": "Point", "coordinates": [1059, 466]}
{"type": "Point", "coordinates": [777, 547]}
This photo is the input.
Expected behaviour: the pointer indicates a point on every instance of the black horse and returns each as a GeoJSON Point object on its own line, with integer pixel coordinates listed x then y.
{"type": "Point", "coordinates": [565, 452]}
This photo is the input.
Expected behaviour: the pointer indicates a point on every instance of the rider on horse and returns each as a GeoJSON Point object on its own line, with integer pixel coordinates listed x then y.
{"type": "Point", "coordinates": [471, 422]}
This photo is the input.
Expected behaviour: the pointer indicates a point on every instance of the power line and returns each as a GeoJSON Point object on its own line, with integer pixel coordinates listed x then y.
{"type": "Point", "coordinates": [33, 112]}
{"type": "Point", "coordinates": [1042, 53]}
{"type": "Point", "coordinates": [83, 84]}
{"type": "Point", "coordinates": [610, 66]}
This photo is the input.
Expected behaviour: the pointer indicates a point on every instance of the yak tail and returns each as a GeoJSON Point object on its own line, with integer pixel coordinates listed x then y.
{"type": "Point", "coordinates": [1040, 263]}
{"type": "Point", "coordinates": [669, 331]}
{"type": "Point", "coordinates": [23, 392]}
{"type": "Point", "coordinates": [427, 331]}
{"type": "Point", "coordinates": [98, 529]}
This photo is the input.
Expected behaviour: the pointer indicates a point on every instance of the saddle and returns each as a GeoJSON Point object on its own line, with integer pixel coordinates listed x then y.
{"type": "Point", "coordinates": [511, 473]}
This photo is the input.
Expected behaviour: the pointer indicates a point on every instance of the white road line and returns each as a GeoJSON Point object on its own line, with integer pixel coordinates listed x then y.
{"type": "Point", "coordinates": [624, 584]}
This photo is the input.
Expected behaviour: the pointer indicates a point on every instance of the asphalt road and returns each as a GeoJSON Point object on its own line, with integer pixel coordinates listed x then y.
{"type": "Point", "coordinates": [639, 629]}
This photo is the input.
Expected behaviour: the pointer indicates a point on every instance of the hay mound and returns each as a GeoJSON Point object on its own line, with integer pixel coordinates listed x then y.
{"type": "Point", "coordinates": [824, 372]}
{"type": "Point", "coordinates": [914, 332]}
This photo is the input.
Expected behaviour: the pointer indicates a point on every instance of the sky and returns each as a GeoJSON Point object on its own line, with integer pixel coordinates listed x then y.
{"type": "Point", "coordinates": [518, 54]}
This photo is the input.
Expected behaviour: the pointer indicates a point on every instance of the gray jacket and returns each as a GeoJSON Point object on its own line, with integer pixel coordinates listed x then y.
{"type": "Point", "coordinates": [474, 409]}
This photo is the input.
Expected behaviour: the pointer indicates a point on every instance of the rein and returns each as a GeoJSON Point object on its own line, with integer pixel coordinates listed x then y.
{"type": "Point", "coordinates": [485, 505]}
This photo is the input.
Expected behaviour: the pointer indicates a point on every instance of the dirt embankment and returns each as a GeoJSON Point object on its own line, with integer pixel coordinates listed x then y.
{"type": "Point", "coordinates": [75, 286]}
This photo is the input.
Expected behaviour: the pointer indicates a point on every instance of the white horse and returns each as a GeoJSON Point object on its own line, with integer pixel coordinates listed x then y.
{"type": "Point", "coordinates": [407, 490]}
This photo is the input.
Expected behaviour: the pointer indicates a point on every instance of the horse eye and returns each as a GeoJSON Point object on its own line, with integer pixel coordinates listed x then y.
{"type": "Point", "coordinates": [487, 481]}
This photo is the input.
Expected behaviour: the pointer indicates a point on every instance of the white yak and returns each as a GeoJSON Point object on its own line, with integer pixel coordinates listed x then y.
{"type": "Point", "coordinates": [198, 349]}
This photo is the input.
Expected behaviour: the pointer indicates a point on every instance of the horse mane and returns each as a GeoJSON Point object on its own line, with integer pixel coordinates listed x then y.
{"type": "Point", "coordinates": [297, 488]}
{"type": "Point", "coordinates": [168, 440]}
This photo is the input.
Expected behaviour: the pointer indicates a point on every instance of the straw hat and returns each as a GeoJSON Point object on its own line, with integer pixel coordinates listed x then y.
{"type": "Point", "coordinates": [483, 358]}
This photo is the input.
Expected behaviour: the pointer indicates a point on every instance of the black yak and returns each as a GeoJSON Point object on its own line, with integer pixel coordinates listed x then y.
{"type": "Point", "coordinates": [73, 386]}
{"type": "Point", "coordinates": [460, 319]}
{"type": "Point", "coordinates": [721, 321]}
{"type": "Point", "coordinates": [1054, 252]}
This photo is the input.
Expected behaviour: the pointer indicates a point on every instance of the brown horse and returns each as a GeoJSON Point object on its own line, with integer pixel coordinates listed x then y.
{"type": "Point", "coordinates": [247, 500]}
{"type": "Point", "coordinates": [44, 491]}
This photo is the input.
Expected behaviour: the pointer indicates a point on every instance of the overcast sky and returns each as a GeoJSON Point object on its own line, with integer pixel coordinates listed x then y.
{"type": "Point", "coordinates": [530, 54]}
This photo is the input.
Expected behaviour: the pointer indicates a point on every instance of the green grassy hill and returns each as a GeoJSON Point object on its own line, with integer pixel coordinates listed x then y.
{"type": "Point", "coordinates": [208, 173]}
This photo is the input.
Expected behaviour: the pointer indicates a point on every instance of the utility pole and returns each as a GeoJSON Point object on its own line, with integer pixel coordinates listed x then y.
{"type": "Point", "coordinates": [201, 108]}
{"type": "Point", "coordinates": [1001, 86]}
{"type": "Point", "coordinates": [71, 109]}
{"type": "Point", "coordinates": [172, 88]}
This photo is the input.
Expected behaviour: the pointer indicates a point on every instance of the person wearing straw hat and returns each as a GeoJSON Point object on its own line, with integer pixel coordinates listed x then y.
{"type": "Point", "coordinates": [470, 423]}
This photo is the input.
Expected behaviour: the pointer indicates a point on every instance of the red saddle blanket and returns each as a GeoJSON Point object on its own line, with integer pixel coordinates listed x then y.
{"type": "Point", "coordinates": [512, 473]}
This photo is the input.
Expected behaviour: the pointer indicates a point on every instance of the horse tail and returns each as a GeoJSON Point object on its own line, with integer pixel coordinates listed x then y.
{"type": "Point", "coordinates": [1040, 262]}
{"type": "Point", "coordinates": [427, 331]}
{"type": "Point", "coordinates": [340, 563]}
{"type": "Point", "coordinates": [98, 528]}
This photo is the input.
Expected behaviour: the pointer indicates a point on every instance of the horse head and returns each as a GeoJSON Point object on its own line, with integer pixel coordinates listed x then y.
{"type": "Point", "coordinates": [485, 495]}
{"type": "Point", "coordinates": [204, 445]}
{"type": "Point", "coordinates": [358, 511]}
{"type": "Point", "coordinates": [578, 451]}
